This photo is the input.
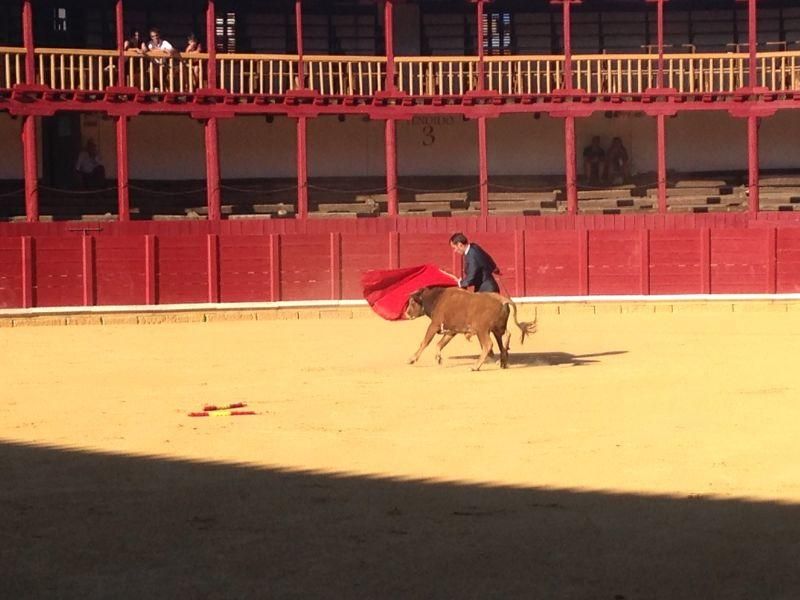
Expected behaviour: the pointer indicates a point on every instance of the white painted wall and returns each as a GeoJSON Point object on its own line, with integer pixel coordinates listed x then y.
{"type": "Point", "coordinates": [252, 147]}
{"type": "Point", "coordinates": [10, 147]}
{"type": "Point", "coordinates": [172, 147]}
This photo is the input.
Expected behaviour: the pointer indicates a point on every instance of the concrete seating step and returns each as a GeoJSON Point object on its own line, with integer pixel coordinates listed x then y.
{"type": "Point", "coordinates": [409, 207]}
{"type": "Point", "coordinates": [531, 197]}
{"type": "Point", "coordinates": [194, 217]}
{"type": "Point", "coordinates": [698, 183]}
{"type": "Point", "coordinates": [348, 207]}
{"type": "Point", "coordinates": [225, 209]}
{"type": "Point", "coordinates": [23, 219]}
{"type": "Point", "coordinates": [780, 207]}
{"type": "Point", "coordinates": [706, 209]}
{"type": "Point", "coordinates": [604, 194]}
{"type": "Point", "coordinates": [629, 202]}
{"type": "Point", "coordinates": [704, 200]}
{"type": "Point", "coordinates": [687, 191]}
{"type": "Point", "coordinates": [441, 197]}
{"type": "Point", "coordinates": [276, 209]}
{"type": "Point", "coordinates": [249, 216]}
{"type": "Point", "coordinates": [780, 180]}
{"type": "Point", "coordinates": [98, 218]}
{"type": "Point", "coordinates": [618, 210]}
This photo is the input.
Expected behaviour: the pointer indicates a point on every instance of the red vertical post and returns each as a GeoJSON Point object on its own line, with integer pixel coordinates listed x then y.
{"type": "Point", "coordinates": [480, 36]}
{"type": "Point", "coordinates": [150, 267]}
{"type": "Point", "coordinates": [298, 19]}
{"type": "Point", "coordinates": [483, 168]}
{"type": "Point", "coordinates": [87, 259]}
{"type": "Point", "coordinates": [752, 39]}
{"type": "Point", "coordinates": [394, 249]}
{"type": "Point", "coordinates": [661, 143]}
{"type": "Point", "coordinates": [120, 24]}
{"type": "Point", "coordinates": [752, 162]}
{"type": "Point", "coordinates": [302, 168]}
{"type": "Point", "coordinates": [569, 158]}
{"type": "Point", "coordinates": [30, 168]}
{"type": "Point", "coordinates": [29, 154]}
{"type": "Point", "coordinates": [566, 11]}
{"type": "Point", "coordinates": [211, 44]}
{"type": "Point", "coordinates": [27, 40]}
{"type": "Point", "coordinates": [660, 26]}
{"type": "Point", "coordinates": [391, 166]}
{"type": "Point", "coordinates": [274, 267]}
{"type": "Point", "coordinates": [27, 271]}
{"type": "Point", "coordinates": [519, 262]}
{"type": "Point", "coordinates": [336, 265]}
{"type": "Point", "coordinates": [212, 169]}
{"type": "Point", "coordinates": [123, 197]}
{"type": "Point", "coordinates": [644, 273]}
{"type": "Point", "coordinates": [212, 248]}
{"type": "Point", "coordinates": [388, 36]}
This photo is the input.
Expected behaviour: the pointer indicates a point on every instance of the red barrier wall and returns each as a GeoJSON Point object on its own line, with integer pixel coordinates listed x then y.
{"type": "Point", "coordinates": [49, 264]}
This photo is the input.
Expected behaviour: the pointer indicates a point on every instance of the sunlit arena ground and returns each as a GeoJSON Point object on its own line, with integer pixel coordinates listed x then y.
{"type": "Point", "coordinates": [630, 451]}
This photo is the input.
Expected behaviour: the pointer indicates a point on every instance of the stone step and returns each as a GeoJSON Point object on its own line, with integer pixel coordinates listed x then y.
{"type": "Point", "coordinates": [348, 207]}
{"type": "Point", "coordinates": [706, 209]}
{"type": "Point", "coordinates": [604, 194]}
{"type": "Point", "coordinates": [630, 202]}
{"type": "Point", "coordinates": [522, 196]}
{"type": "Point", "coordinates": [276, 209]}
{"type": "Point", "coordinates": [729, 200]}
{"type": "Point", "coordinates": [441, 197]}
{"type": "Point", "coordinates": [700, 183]}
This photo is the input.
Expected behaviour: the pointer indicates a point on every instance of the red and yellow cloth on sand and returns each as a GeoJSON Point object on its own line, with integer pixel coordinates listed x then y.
{"type": "Point", "coordinates": [387, 292]}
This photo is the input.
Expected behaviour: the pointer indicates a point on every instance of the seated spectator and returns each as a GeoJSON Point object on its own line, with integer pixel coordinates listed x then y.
{"type": "Point", "coordinates": [617, 163]}
{"type": "Point", "coordinates": [90, 167]}
{"type": "Point", "coordinates": [193, 44]}
{"type": "Point", "coordinates": [593, 161]}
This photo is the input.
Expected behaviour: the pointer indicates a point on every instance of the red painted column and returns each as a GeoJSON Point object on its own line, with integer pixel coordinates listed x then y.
{"type": "Point", "coordinates": [479, 28]}
{"type": "Point", "coordinates": [483, 167]}
{"type": "Point", "coordinates": [212, 248]}
{"type": "Point", "coordinates": [27, 40]}
{"type": "Point", "coordinates": [661, 143]}
{"type": "Point", "coordinates": [29, 153]}
{"type": "Point", "coordinates": [752, 39]}
{"type": "Point", "coordinates": [120, 24]}
{"type": "Point", "coordinates": [567, 18]}
{"type": "Point", "coordinates": [302, 168]}
{"type": "Point", "coordinates": [123, 198]}
{"type": "Point", "coordinates": [30, 168]}
{"type": "Point", "coordinates": [298, 18]}
{"type": "Point", "coordinates": [212, 169]}
{"type": "Point", "coordinates": [87, 260]}
{"type": "Point", "coordinates": [660, 41]}
{"type": "Point", "coordinates": [391, 166]}
{"type": "Point", "coordinates": [388, 35]}
{"type": "Point", "coordinates": [211, 45]}
{"type": "Point", "coordinates": [752, 162]}
{"type": "Point", "coordinates": [569, 163]}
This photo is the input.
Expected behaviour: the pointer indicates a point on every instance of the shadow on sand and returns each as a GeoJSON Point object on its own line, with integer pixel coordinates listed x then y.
{"type": "Point", "coordinates": [545, 359]}
{"type": "Point", "coordinates": [79, 524]}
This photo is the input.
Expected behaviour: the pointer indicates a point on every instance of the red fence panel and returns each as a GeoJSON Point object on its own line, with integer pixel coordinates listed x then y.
{"type": "Point", "coordinates": [305, 266]}
{"type": "Point", "coordinates": [740, 261]}
{"type": "Point", "coordinates": [675, 262]}
{"type": "Point", "coordinates": [361, 253]}
{"type": "Point", "coordinates": [501, 247]}
{"type": "Point", "coordinates": [552, 263]}
{"type": "Point", "coordinates": [182, 269]}
{"type": "Point", "coordinates": [120, 270]}
{"type": "Point", "coordinates": [615, 259]}
{"type": "Point", "coordinates": [245, 268]}
{"type": "Point", "coordinates": [428, 248]}
{"type": "Point", "coordinates": [10, 272]}
{"type": "Point", "coordinates": [788, 260]}
{"type": "Point", "coordinates": [58, 271]}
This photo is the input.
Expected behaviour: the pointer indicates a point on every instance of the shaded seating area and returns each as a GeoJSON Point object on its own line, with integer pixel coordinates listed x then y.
{"type": "Point", "coordinates": [426, 196]}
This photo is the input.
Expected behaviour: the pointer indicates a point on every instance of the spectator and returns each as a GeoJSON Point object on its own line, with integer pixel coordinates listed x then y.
{"type": "Point", "coordinates": [90, 167]}
{"type": "Point", "coordinates": [157, 43]}
{"type": "Point", "coordinates": [134, 41]}
{"type": "Point", "coordinates": [193, 46]}
{"type": "Point", "coordinates": [617, 163]}
{"type": "Point", "coordinates": [593, 161]}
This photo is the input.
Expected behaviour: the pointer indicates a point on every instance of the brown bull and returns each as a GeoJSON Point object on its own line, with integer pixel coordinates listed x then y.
{"type": "Point", "coordinates": [454, 310]}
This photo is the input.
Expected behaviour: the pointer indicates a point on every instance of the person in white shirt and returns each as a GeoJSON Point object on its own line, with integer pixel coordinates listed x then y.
{"type": "Point", "coordinates": [89, 167]}
{"type": "Point", "coordinates": [157, 43]}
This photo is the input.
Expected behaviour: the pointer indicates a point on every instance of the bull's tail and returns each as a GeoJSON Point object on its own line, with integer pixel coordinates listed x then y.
{"type": "Point", "coordinates": [526, 327]}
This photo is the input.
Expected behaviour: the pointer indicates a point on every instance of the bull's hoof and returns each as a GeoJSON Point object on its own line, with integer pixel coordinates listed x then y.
{"type": "Point", "coordinates": [411, 361]}
{"type": "Point", "coordinates": [438, 359]}
{"type": "Point", "coordinates": [475, 369]}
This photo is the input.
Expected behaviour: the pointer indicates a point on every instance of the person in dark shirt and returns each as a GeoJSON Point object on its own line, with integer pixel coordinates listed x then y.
{"type": "Point", "coordinates": [617, 163]}
{"type": "Point", "coordinates": [479, 267]}
{"type": "Point", "coordinates": [593, 161]}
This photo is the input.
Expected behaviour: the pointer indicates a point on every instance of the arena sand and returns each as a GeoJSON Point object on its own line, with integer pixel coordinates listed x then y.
{"type": "Point", "coordinates": [631, 451]}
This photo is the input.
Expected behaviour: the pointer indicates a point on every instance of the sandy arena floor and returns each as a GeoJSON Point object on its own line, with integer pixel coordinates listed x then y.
{"type": "Point", "coordinates": [626, 454]}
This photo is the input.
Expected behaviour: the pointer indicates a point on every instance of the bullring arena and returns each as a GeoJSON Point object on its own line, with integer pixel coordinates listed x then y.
{"type": "Point", "coordinates": [631, 450]}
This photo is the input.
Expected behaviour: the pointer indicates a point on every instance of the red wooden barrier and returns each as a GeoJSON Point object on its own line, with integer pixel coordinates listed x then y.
{"type": "Point", "coordinates": [47, 265]}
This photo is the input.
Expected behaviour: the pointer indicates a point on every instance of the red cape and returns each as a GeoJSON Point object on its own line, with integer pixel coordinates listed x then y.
{"type": "Point", "coordinates": [387, 292]}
